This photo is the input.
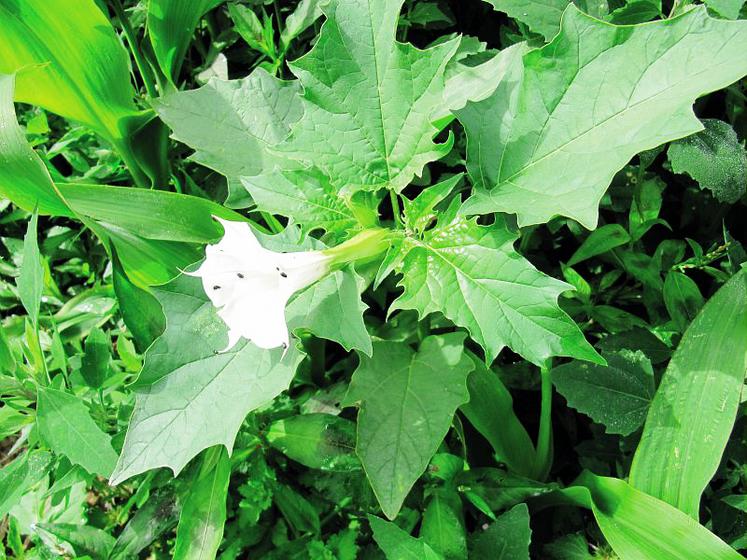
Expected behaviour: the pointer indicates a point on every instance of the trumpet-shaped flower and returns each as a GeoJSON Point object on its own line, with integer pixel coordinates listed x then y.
{"type": "Point", "coordinates": [250, 285]}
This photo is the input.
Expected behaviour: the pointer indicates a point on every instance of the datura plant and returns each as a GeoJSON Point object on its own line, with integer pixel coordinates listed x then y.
{"type": "Point", "coordinates": [337, 279]}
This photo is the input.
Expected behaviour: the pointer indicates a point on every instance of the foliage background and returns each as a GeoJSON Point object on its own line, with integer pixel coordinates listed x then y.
{"type": "Point", "coordinates": [501, 474]}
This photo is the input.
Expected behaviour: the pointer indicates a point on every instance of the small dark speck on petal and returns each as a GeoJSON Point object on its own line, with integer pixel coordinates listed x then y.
{"type": "Point", "coordinates": [285, 346]}
{"type": "Point", "coordinates": [284, 275]}
{"type": "Point", "coordinates": [240, 275]}
{"type": "Point", "coordinates": [216, 287]}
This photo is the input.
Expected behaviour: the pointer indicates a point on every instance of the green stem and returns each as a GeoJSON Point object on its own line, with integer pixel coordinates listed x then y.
{"type": "Point", "coordinates": [543, 461]}
{"type": "Point", "coordinates": [136, 54]}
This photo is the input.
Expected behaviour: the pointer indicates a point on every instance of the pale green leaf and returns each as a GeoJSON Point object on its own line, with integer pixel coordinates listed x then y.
{"type": "Point", "coordinates": [617, 395]}
{"type": "Point", "coordinates": [319, 441]}
{"type": "Point", "coordinates": [20, 475]}
{"type": "Point", "coordinates": [369, 98]}
{"type": "Point", "coordinates": [303, 17]}
{"type": "Point", "coordinates": [407, 402]}
{"type": "Point", "coordinates": [85, 539]}
{"type": "Point", "coordinates": [695, 406]}
{"type": "Point", "coordinates": [203, 514]}
{"type": "Point", "coordinates": [171, 25]}
{"type": "Point", "coordinates": [31, 280]}
{"type": "Point", "coordinates": [727, 8]}
{"type": "Point", "coordinates": [308, 197]}
{"type": "Point", "coordinates": [715, 158]}
{"type": "Point", "coordinates": [399, 545]}
{"type": "Point", "coordinates": [552, 136]}
{"type": "Point", "coordinates": [474, 276]}
{"type": "Point", "coordinates": [66, 426]}
{"type": "Point", "coordinates": [232, 124]}
{"type": "Point", "coordinates": [474, 83]}
{"type": "Point", "coordinates": [541, 16]}
{"type": "Point", "coordinates": [507, 538]}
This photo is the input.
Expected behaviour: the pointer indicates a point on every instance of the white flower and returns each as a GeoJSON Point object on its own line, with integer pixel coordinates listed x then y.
{"type": "Point", "coordinates": [250, 285]}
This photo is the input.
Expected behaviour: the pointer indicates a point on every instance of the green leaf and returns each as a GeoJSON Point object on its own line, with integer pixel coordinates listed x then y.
{"type": "Point", "coordinates": [407, 401]}
{"type": "Point", "coordinates": [637, 339]}
{"type": "Point", "coordinates": [66, 426]}
{"type": "Point", "coordinates": [31, 280]}
{"type": "Point", "coordinates": [159, 514]}
{"type": "Point", "coordinates": [171, 25]}
{"type": "Point", "coordinates": [640, 527]}
{"type": "Point", "coordinates": [203, 514]}
{"type": "Point", "coordinates": [443, 525]}
{"type": "Point", "coordinates": [474, 276]}
{"type": "Point", "coordinates": [693, 412]}
{"type": "Point", "coordinates": [554, 118]}
{"type": "Point", "coordinates": [233, 124]}
{"type": "Point", "coordinates": [541, 16]}
{"type": "Point", "coordinates": [636, 11]}
{"type": "Point", "coordinates": [729, 9]}
{"type": "Point", "coordinates": [184, 382]}
{"type": "Point", "coordinates": [715, 158]}
{"type": "Point", "coordinates": [70, 61]}
{"type": "Point", "coordinates": [332, 309]}
{"type": "Point", "coordinates": [303, 17]}
{"type": "Point", "coordinates": [507, 538]}
{"type": "Point", "coordinates": [140, 310]}
{"type": "Point", "coordinates": [85, 539]}
{"type": "Point", "coordinates": [399, 545]}
{"type": "Point", "coordinates": [617, 395]}
{"type": "Point", "coordinates": [600, 241]}
{"type": "Point", "coordinates": [474, 83]}
{"type": "Point", "coordinates": [20, 475]}
{"type": "Point", "coordinates": [308, 197]}
{"type": "Point", "coordinates": [94, 366]}
{"type": "Point", "coordinates": [682, 298]}
{"type": "Point", "coordinates": [23, 177]}
{"type": "Point", "coordinates": [370, 98]}
{"type": "Point", "coordinates": [319, 441]}
{"type": "Point", "coordinates": [155, 232]}
{"type": "Point", "coordinates": [490, 410]}
{"type": "Point", "coordinates": [300, 514]}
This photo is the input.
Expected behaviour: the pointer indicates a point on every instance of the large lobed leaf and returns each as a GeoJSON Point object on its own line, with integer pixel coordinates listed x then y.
{"type": "Point", "coordinates": [554, 133]}
{"type": "Point", "coordinates": [474, 276]}
{"type": "Point", "coordinates": [185, 382]}
{"type": "Point", "coordinates": [369, 99]}
{"type": "Point", "coordinates": [232, 125]}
